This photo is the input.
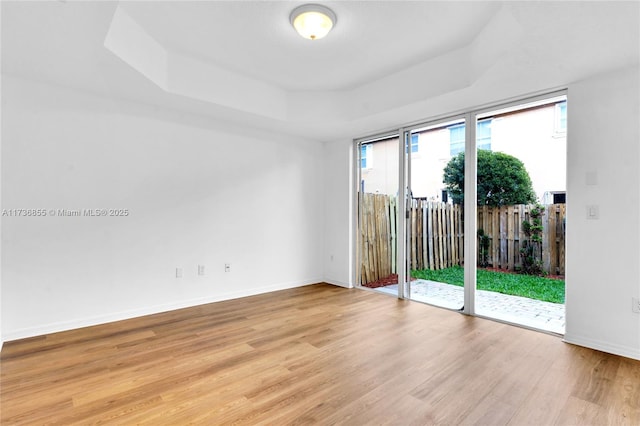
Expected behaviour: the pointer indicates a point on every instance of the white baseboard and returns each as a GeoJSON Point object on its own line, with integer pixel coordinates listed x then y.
{"type": "Point", "coordinates": [338, 283]}
{"type": "Point", "coordinates": [626, 351]}
{"type": "Point", "coordinates": [135, 313]}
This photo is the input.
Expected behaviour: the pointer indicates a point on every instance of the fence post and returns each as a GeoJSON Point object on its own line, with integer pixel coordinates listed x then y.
{"type": "Point", "coordinates": [425, 235]}
{"type": "Point", "coordinates": [553, 241]}
{"type": "Point", "coordinates": [431, 239]}
{"type": "Point", "coordinates": [519, 236]}
{"type": "Point", "coordinates": [392, 220]}
{"type": "Point", "coordinates": [495, 236]}
{"type": "Point", "coordinates": [561, 243]}
{"type": "Point", "coordinates": [546, 240]}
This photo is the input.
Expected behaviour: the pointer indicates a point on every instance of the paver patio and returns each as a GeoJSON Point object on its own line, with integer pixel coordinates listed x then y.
{"type": "Point", "coordinates": [520, 310]}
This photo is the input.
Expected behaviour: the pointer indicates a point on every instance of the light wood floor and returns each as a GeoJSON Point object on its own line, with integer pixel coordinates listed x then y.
{"type": "Point", "coordinates": [317, 354]}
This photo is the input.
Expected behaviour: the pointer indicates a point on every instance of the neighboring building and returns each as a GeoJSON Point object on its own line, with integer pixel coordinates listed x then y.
{"type": "Point", "coordinates": [536, 136]}
{"type": "Point", "coordinates": [379, 167]}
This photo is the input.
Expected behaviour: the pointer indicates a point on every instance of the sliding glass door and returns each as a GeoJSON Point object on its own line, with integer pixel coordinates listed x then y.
{"type": "Point", "coordinates": [442, 203]}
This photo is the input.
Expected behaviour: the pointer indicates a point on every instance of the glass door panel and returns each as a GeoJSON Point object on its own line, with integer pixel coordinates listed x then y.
{"type": "Point", "coordinates": [435, 218]}
{"type": "Point", "coordinates": [378, 206]}
{"type": "Point", "coordinates": [521, 195]}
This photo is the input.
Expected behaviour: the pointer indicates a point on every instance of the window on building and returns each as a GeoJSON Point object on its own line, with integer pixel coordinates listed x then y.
{"type": "Point", "coordinates": [561, 117]}
{"type": "Point", "coordinates": [363, 156]}
{"type": "Point", "coordinates": [366, 156]}
{"type": "Point", "coordinates": [456, 139]}
{"type": "Point", "coordinates": [414, 142]}
{"type": "Point", "coordinates": [483, 137]}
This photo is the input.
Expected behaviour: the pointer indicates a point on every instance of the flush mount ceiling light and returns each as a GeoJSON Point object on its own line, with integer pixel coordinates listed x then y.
{"type": "Point", "coordinates": [312, 21]}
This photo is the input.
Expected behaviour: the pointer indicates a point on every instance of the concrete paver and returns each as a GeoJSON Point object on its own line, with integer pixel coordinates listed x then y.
{"type": "Point", "coordinates": [520, 310]}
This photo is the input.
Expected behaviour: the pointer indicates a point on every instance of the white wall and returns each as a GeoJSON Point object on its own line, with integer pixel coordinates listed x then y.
{"type": "Point", "coordinates": [602, 255]}
{"type": "Point", "coordinates": [1, 335]}
{"type": "Point", "coordinates": [338, 213]}
{"type": "Point", "coordinates": [198, 192]}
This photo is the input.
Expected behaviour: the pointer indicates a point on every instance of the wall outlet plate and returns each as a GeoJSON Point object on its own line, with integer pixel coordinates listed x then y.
{"type": "Point", "coordinates": [593, 212]}
{"type": "Point", "coordinates": [635, 307]}
{"type": "Point", "coordinates": [178, 272]}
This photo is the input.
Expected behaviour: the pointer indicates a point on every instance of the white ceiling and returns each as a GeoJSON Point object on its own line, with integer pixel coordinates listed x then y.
{"type": "Point", "coordinates": [384, 64]}
{"type": "Point", "coordinates": [371, 39]}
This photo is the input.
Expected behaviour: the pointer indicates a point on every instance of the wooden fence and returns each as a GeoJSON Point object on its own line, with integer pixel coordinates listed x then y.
{"type": "Point", "coordinates": [378, 237]}
{"type": "Point", "coordinates": [437, 236]}
{"type": "Point", "coordinates": [504, 227]}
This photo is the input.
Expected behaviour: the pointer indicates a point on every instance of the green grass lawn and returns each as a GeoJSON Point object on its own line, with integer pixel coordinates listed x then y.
{"type": "Point", "coordinates": [540, 288]}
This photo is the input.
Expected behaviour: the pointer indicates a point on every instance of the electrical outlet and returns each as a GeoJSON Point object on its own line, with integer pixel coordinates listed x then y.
{"type": "Point", "coordinates": [593, 212]}
{"type": "Point", "coordinates": [227, 267]}
{"type": "Point", "coordinates": [635, 307]}
{"type": "Point", "coordinates": [178, 272]}
{"type": "Point", "coordinates": [201, 270]}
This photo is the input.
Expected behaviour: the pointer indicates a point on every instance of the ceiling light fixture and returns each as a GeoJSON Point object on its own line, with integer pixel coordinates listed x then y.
{"type": "Point", "coordinates": [313, 21]}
